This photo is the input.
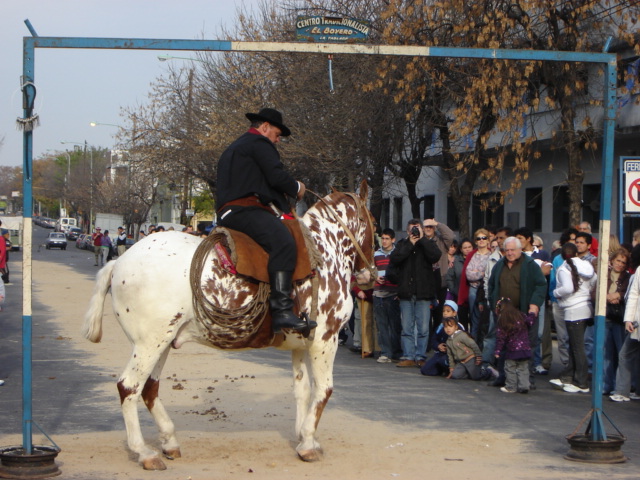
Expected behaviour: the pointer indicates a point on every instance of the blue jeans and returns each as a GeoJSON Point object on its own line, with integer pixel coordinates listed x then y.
{"type": "Point", "coordinates": [474, 313]}
{"type": "Point", "coordinates": [628, 366]}
{"type": "Point", "coordinates": [561, 333]}
{"type": "Point", "coordinates": [537, 349]}
{"type": "Point", "coordinates": [588, 345]}
{"type": "Point", "coordinates": [416, 315]}
{"type": "Point", "coordinates": [386, 311]}
{"type": "Point", "coordinates": [613, 340]}
{"type": "Point", "coordinates": [489, 344]}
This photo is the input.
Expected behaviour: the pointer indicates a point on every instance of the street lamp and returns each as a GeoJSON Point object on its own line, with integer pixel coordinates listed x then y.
{"type": "Point", "coordinates": [90, 179]}
{"type": "Point", "coordinates": [164, 58]}
{"type": "Point", "coordinates": [67, 178]}
{"type": "Point", "coordinates": [95, 124]}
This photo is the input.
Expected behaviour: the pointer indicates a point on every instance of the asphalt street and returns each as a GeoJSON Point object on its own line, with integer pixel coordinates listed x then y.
{"type": "Point", "coordinates": [363, 387]}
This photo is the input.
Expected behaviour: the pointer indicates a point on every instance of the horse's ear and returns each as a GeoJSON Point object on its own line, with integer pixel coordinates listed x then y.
{"type": "Point", "coordinates": [364, 190]}
{"type": "Point", "coordinates": [333, 190]}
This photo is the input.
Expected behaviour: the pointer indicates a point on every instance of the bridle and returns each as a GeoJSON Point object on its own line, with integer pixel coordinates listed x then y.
{"type": "Point", "coordinates": [360, 206]}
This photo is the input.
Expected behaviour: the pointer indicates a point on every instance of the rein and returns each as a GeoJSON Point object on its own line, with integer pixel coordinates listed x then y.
{"type": "Point", "coordinates": [358, 202]}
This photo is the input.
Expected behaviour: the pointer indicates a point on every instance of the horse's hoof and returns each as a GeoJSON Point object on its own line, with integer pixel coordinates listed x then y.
{"type": "Point", "coordinates": [310, 455]}
{"type": "Point", "coordinates": [172, 453]}
{"type": "Point", "coordinates": [153, 463]}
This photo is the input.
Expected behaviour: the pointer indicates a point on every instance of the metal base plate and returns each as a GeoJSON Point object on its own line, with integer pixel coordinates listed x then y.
{"type": "Point", "coordinates": [14, 463]}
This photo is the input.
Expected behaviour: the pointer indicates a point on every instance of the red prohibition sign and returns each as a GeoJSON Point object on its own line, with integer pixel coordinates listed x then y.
{"type": "Point", "coordinates": [634, 192]}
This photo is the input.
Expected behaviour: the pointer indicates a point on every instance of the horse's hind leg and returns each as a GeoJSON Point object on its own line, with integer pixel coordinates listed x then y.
{"type": "Point", "coordinates": [170, 446]}
{"type": "Point", "coordinates": [132, 383]}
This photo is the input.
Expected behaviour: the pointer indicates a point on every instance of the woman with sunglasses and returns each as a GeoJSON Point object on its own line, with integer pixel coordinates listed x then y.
{"type": "Point", "coordinates": [472, 282]}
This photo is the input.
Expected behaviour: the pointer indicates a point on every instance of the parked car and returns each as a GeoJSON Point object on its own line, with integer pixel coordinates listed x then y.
{"type": "Point", "coordinates": [87, 243]}
{"type": "Point", "coordinates": [73, 233]}
{"type": "Point", "coordinates": [47, 222]}
{"type": "Point", "coordinates": [56, 240]}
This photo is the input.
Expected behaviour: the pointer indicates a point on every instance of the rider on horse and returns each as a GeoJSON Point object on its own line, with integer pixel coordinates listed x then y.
{"type": "Point", "coordinates": [252, 187]}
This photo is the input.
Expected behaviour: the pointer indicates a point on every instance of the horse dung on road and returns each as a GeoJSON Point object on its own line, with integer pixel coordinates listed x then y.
{"type": "Point", "coordinates": [152, 299]}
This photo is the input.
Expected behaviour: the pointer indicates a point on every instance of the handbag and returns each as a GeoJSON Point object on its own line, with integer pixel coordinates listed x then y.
{"type": "Point", "coordinates": [615, 312]}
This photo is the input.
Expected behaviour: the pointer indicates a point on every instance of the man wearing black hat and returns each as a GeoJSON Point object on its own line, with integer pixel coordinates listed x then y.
{"type": "Point", "coordinates": [253, 187]}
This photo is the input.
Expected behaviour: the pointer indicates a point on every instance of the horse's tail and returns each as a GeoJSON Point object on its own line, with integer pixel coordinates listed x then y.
{"type": "Point", "coordinates": [92, 328]}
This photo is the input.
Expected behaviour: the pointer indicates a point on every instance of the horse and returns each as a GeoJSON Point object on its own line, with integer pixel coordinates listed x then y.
{"type": "Point", "coordinates": [152, 299]}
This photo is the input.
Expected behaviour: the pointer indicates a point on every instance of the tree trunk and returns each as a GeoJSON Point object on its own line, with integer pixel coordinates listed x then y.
{"type": "Point", "coordinates": [575, 174]}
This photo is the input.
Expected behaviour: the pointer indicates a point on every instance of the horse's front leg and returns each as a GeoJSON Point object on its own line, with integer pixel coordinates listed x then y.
{"type": "Point", "coordinates": [131, 386]}
{"type": "Point", "coordinates": [321, 358]}
{"type": "Point", "coordinates": [170, 445]}
{"type": "Point", "coordinates": [301, 387]}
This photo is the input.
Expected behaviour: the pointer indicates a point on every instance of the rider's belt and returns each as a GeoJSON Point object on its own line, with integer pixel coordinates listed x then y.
{"type": "Point", "coordinates": [250, 201]}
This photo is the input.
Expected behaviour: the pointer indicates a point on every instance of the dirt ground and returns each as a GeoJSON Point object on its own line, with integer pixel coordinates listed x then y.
{"type": "Point", "coordinates": [235, 421]}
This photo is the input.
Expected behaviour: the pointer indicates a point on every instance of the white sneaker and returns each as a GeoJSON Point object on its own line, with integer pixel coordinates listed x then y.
{"type": "Point", "coordinates": [1, 382]}
{"type": "Point", "coordinates": [540, 370]}
{"type": "Point", "coordinates": [616, 397]}
{"type": "Point", "coordinates": [570, 388]}
{"type": "Point", "coordinates": [556, 383]}
{"type": "Point", "coordinates": [384, 359]}
{"type": "Point", "coordinates": [634, 396]}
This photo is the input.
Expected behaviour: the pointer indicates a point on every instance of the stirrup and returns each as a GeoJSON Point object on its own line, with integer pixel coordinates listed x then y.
{"type": "Point", "coordinates": [310, 325]}
{"type": "Point", "coordinates": [304, 326]}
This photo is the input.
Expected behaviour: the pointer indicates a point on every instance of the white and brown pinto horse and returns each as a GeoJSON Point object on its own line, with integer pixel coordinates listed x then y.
{"type": "Point", "coordinates": [152, 299]}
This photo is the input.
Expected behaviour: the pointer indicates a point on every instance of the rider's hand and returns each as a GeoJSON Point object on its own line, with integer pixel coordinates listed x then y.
{"type": "Point", "coordinates": [301, 190]}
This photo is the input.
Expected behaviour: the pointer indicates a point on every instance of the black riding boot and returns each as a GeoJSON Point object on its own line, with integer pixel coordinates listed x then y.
{"type": "Point", "coordinates": [281, 304]}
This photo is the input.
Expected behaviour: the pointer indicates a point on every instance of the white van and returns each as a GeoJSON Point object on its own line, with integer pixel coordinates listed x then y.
{"type": "Point", "coordinates": [65, 223]}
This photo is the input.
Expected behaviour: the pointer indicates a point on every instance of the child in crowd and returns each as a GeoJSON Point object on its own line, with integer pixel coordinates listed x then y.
{"type": "Point", "coordinates": [512, 341]}
{"type": "Point", "coordinates": [438, 364]}
{"type": "Point", "coordinates": [463, 353]}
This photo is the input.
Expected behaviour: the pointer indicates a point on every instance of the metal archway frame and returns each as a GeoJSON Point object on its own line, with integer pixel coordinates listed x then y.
{"type": "Point", "coordinates": [608, 60]}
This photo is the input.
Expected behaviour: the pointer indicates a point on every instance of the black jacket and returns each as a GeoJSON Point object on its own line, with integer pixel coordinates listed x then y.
{"type": "Point", "coordinates": [251, 165]}
{"type": "Point", "coordinates": [415, 268]}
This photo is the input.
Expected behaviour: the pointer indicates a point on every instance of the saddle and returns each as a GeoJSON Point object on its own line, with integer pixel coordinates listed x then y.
{"type": "Point", "coordinates": [247, 326]}
{"type": "Point", "coordinates": [239, 254]}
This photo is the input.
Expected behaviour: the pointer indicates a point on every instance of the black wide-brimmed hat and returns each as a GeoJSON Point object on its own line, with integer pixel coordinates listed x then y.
{"type": "Point", "coordinates": [271, 115]}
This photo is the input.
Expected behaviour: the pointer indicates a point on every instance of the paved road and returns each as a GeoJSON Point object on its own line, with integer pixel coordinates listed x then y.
{"type": "Point", "coordinates": [362, 387]}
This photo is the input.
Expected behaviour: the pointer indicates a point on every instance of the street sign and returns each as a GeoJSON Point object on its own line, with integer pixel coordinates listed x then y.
{"type": "Point", "coordinates": [331, 29]}
{"type": "Point", "coordinates": [631, 168]}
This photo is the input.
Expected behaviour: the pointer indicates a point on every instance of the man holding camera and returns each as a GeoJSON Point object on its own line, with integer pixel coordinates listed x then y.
{"type": "Point", "coordinates": [414, 257]}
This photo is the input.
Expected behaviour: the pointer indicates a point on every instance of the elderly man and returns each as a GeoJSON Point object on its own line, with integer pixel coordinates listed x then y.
{"type": "Point", "coordinates": [518, 277]}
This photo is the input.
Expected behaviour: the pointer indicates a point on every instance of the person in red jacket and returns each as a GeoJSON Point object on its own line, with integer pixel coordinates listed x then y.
{"type": "Point", "coordinates": [96, 238]}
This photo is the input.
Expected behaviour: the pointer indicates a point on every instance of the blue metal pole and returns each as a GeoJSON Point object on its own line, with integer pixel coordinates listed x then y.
{"type": "Point", "coordinates": [622, 195]}
{"type": "Point", "coordinates": [606, 195]}
{"type": "Point", "coordinates": [29, 93]}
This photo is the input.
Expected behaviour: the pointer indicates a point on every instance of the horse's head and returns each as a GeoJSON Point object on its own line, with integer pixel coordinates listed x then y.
{"type": "Point", "coordinates": [365, 266]}
{"type": "Point", "coordinates": [357, 226]}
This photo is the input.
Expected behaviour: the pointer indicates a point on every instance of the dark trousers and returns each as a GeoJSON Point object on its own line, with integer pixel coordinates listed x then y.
{"type": "Point", "coordinates": [266, 230]}
{"type": "Point", "coordinates": [577, 370]}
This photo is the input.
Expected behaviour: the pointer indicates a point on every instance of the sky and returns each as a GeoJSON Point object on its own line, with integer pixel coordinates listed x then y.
{"type": "Point", "coordinates": [76, 87]}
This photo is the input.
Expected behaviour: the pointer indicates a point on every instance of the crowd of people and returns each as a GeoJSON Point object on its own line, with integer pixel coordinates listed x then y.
{"type": "Point", "coordinates": [106, 248]}
{"type": "Point", "coordinates": [483, 308]}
